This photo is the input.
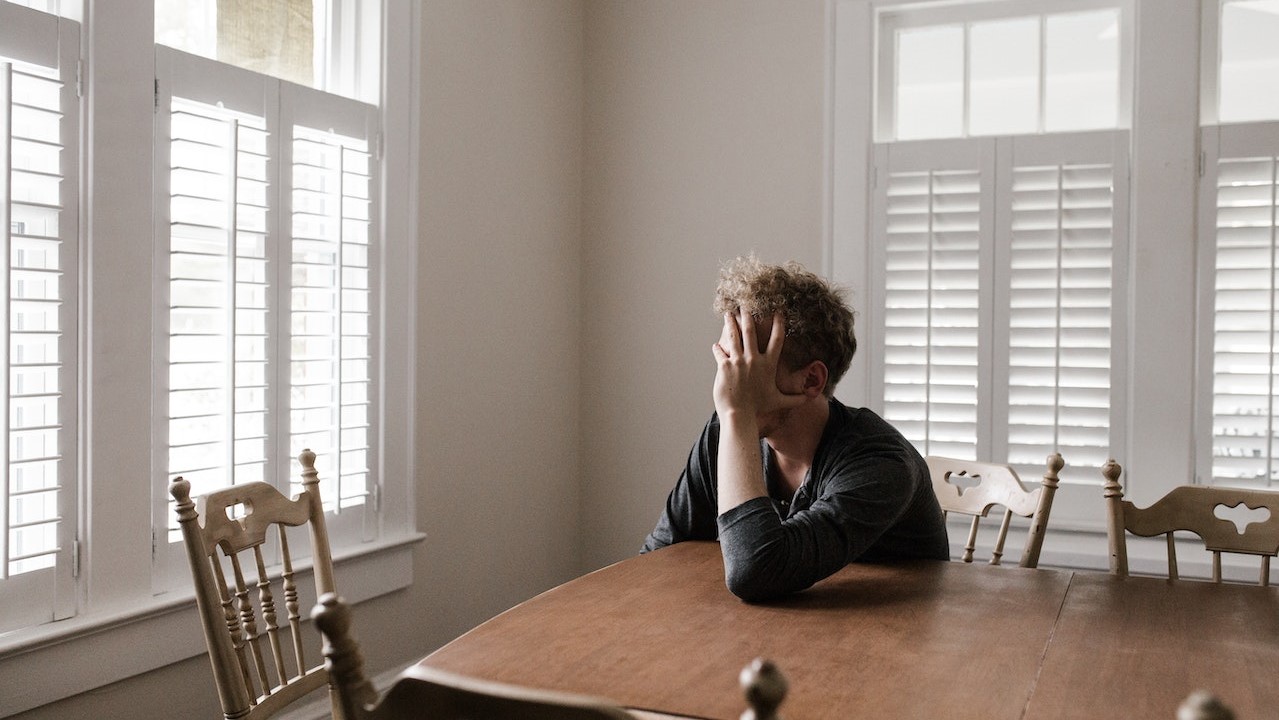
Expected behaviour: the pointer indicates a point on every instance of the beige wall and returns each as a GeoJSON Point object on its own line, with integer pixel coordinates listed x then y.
{"type": "Point", "coordinates": [498, 292]}
{"type": "Point", "coordinates": [704, 140]}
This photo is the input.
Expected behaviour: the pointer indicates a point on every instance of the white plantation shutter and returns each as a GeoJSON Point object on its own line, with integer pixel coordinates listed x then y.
{"type": "Point", "coordinates": [332, 369]}
{"type": "Point", "coordinates": [269, 307]}
{"type": "Point", "coordinates": [1059, 238]}
{"type": "Point", "coordinates": [996, 262]}
{"type": "Point", "coordinates": [932, 222]}
{"type": "Point", "coordinates": [1239, 214]}
{"type": "Point", "coordinates": [218, 294]}
{"type": "Point", "coordinates": [38, 217]}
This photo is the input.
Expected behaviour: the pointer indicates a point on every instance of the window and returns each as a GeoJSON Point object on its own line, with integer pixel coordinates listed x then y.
{"type": "Point", "coordinates": [274, 237]}
{"type": "Point", "coordinates": [998, 235]}
{"type": "Point", "coordinates": [973, 70]}
{"type": "Point", "coordinates": [268, 245]}
{"type": "Point", "coordinates": [322, 44]}
{"type": "Point", "coordinates": [39, 216]}
{"type": "Point", "coordinates": [1239, 231]}
{"type": "Point", "coordinates": [1249, 67]}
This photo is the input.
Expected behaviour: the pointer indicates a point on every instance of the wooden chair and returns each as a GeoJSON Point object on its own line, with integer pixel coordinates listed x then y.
{"type": "Point", "coordinates": [972, 488]}
{"type": "Point", "coordinates": [1192, 508]}
{"type": "Point", "coordinates": [256, 677]}
{"type": "Point", "coordinates": [425, 692]}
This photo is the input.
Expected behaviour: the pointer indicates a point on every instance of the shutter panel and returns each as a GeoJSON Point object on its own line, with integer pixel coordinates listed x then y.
{"type": "Point", "coordinates": [932, 248]}
{"type": "Point", "coordinates": [38, 227]}
{"type": "Point", "coordinates": [1059, 336]}
{"type": "Point", "coordinates": [219, 296]}
{"type": "Point", "coordinates": [331, 367]}
{"type": "Point", "coordinates": [1243, 338]}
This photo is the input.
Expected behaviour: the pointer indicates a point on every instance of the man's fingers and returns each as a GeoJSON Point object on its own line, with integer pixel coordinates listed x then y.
{"type": "Point", "coordinates": [778, 335]}
{"type": "Point", "coordinates": [747, 324]}
{"type": "Point", "coordinates": [732, 342]}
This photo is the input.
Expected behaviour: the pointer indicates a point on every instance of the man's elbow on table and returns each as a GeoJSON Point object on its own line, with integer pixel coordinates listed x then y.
{"type": "Point", "coordinates": [752, 583]}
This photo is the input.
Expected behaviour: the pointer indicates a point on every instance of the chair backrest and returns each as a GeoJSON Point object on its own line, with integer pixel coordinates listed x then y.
{"type": "Point", "coordinates": [1196, 509]}
{"type": "Point", "coordinates": [255, 675]}
{"type": "Point", "coordinates": [422, 691]}
{"type": "Point", "coordinates": [967, 487]}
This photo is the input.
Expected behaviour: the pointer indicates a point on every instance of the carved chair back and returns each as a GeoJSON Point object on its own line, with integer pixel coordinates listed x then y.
{"type": "Point", "coordinates": [252, 620]}
{"type": "Point", "coordinates": [967, 487]}
{"type": "Point", "coordinates": [1226, 519]}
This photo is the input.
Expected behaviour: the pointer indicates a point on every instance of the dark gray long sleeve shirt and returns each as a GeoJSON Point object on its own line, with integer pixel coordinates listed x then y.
{"type": "Point", "coordinates": [867, 496]}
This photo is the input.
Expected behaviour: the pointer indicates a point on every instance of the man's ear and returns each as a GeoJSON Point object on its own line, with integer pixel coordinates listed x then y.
{"type": "Point", "coordinates": [815, 376]}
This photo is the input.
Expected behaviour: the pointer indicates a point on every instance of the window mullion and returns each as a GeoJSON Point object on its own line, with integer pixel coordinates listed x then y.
{"type": "Point", "coordinates": [1274, 287]}
{"type": "Point", "coordinates": [232, 180]}
{"type": "Point", "coordinates": [339, 332]}
{"type": "Point", "coordinates": [6, 153]}
{"type": "Point", "coordinates": [1059, 300]}
{"type": "Point", "coordinates": [929, 324]}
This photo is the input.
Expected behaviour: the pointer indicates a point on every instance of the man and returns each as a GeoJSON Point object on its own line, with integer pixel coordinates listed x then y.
{"type": "Point", "coordinates": [792, 483]}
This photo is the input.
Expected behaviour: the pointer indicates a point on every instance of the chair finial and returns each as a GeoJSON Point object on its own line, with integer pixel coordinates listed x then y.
{"type": "Point", "coordinates": [1202, 705]}
{"type": "Point", "coordinates": [180, 489]}
{"type": "Point", "coordinates": [1111, 471]}
{"type": "Point", "coordinates": [310, 476]}
{"type": "Point", "coordinates": [1055, 463]}
{"type": "Point", "coordinates": [342, 654]}
{"type": "Point", "coordinates": [765, 688]}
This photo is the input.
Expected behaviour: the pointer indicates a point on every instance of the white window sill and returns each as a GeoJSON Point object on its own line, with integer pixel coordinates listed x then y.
{"type": "Point", "coordinates": [61, 659]}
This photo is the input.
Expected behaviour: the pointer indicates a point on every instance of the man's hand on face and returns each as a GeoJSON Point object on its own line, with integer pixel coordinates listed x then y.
{"type": "Point", "coordinates": [746, 379]}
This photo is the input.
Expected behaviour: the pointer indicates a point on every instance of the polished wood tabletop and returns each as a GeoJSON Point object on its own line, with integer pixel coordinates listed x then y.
{"type": "Point", "coordinates": [660, 632]}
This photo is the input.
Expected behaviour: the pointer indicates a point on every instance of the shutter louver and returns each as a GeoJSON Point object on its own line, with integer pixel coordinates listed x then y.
{"type": "Point", "coordinates": [1244, 323]}
{"type": "Point", "coordinates": [1059, 315]}
{"type": "Point", "coordinates": [218, 298]}
{"type": "Point", "coordinates": [331, 387]}
{"type": "Point", "coordinates": [932, 309]}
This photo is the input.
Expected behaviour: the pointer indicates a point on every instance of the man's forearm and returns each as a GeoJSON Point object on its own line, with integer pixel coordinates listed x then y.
{"type": "Point", "coordinates": [740, 474]}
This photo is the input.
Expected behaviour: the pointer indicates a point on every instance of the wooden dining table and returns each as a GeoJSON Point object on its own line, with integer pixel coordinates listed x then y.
{"type": "Point", "coordinates": [660, 632]}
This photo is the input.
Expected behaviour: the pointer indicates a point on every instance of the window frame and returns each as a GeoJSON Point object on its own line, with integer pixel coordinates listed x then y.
{"type": "Point", "coordinates": [1163, 155]}
{"type": "Point", "coordinates": [892, 16]}
{"type": "Point", "coordinates": [1218, 141]}
{"type": "Point", "coordinates": [118, 614]}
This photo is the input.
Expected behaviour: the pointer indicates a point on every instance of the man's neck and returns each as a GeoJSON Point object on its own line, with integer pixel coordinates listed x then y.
{"type": "Point", "coordinates": [795, 442]}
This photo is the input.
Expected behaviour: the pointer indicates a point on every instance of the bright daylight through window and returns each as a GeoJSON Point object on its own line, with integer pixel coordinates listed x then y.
{"type": "Point", "coordinates": [1241, 230]}
{"type": "Point", "coordinates": [998, 226]}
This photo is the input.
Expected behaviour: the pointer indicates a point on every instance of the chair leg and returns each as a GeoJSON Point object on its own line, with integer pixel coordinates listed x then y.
{"type": "Point", "coordinates": [998, 553]}
{"type": "Point", "coordinates": [972, 539]}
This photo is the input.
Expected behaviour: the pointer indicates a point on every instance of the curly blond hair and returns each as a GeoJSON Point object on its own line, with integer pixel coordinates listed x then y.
{"type": "Point", "coordinates": [819, 324]}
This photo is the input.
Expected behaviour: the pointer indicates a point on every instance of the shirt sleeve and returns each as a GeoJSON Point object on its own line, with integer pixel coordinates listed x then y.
{"type": "Point", "coordinates": [766, 557]}
{"type": "Point", "coordinates": [691, 506]}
